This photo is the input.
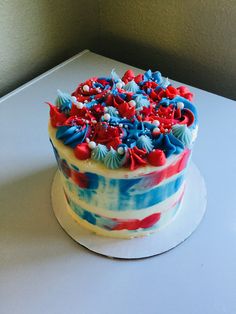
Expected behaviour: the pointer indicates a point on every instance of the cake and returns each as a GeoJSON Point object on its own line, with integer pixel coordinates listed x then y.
{"type": "Point", "coordinates": [123, 146]}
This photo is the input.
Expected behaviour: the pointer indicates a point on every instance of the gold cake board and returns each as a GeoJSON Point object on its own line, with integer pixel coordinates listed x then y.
{"type": "Point", "coordinates": [186, 221]}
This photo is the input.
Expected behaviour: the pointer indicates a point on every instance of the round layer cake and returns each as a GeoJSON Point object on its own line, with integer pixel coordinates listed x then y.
{"type": "Point", "coordinates": [123, 146]}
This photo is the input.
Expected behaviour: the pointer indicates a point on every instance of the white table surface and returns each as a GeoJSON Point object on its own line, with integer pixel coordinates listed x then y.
{"type": "Point", "coordinates": [43, 271]}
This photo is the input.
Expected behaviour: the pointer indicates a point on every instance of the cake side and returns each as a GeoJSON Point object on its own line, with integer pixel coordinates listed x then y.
{"type": "Point", "coordinates": [127, 206]}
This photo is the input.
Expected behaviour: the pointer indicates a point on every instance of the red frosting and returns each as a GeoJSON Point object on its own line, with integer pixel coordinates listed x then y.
{"type": "Point", "coordinates": [106, 135]}
{"type": "Point", "coordinates": [157, 158]}
{"type": "Point", "coordinates": [57, 118]}
{"type": "Point", "coordinates": [82, 151]}
{"type": "Point", "coordinates": [133, 224]}
{"type": "Point", "coordinates": [80, 179]}
{"type": "Point", "coordinates": [136, 157]}
{"type": "Point", "coordinates": [128, 76]}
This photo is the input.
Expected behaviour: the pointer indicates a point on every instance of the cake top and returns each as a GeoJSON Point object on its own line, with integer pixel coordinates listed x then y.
{"type": "Point", "coordinates": [126, 122]}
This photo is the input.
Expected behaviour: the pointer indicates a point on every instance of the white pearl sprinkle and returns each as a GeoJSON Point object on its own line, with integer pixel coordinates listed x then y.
{"type": "Point", "coordinates": [79, 105]}
{"type": "Point", "coordinates": [120, 150]}
{"type": "Point", "coordinates": [166, 130]}
{"type": "Point", "coordinates": [73, 99]}
{"type": "Point", "coordinates": [132, 103]}
{"type": "Point", "coordinates": [105, 109]}
{"type": "Point", "coordinates": [156, 130]}
{"type": "Point", "coordinates": [86, 88]}
{"type": "Point", "coordinates": [92, 145]}
{"type": "Point", "coordinates": [180, 105]}
{"type": "Point", "coordinates": [106, 117]}
{"type": "Point", "coordinates": [87, 140]}
{"type": "Point", "coordinates": [156, 122]}
{"type": "Point", "coordinates": [121, 125]}
{"type": "Point", "coordinates": [119, 85]}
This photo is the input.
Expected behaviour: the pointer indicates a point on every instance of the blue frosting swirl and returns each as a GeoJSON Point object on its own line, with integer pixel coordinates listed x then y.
{"type": "Point", "coordinates": [63, 101]}
{"type": "Point", "coordinates": [113, 112]}
{"type": "Point", "coordinates": [190, 106]}
{"type": "Point", "coordinates": [131, 87]}
{"type": "Point", "coordinates": [169, 144]}
{"type": "Point", "coordinates": [182, 133]}
{"type": "Point", "coordinates": [144, 142]}
{"type": "Point", "coordinates": [72, 135]}
{"type": "Point", "coordinates": [99, 152]}
{"type": "Point", "coordinates": [141, 101]}
{"type": "Point", "coordinates": [112, 160]}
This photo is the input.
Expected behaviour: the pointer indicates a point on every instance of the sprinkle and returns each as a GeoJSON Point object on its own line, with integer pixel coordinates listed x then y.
{"type": "Point", "coordinates": [119, 85]}
{"type": "Point", "coordinates": [156, 130]}
{"type": "Point", "coordinates": [87, 140]}
{"type": "Point", "coordinates": [74, 99]}
{"type": "Point", "coordinates": [180, 105]}
{"type": "Point", "coordinates": [106, 117]}
{"type": "Point", "coordinates": [156, 122]}
{"type": "Point", "coordinates": [79, 105]}
{"type": "Point", "coordinates": [86, 88]}
{"type": "Point", "coordinates": [92, 145]}
{"type": "Point", "coordinates": [120, 150]}
{"type": "Point", "coordinates": [132, 103]}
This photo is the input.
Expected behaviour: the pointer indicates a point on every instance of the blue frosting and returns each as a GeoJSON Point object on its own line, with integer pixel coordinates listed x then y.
{"type": "Point", "coordinates": [169, 144]}
{"type": "Point", "coordinates": [141, 101]}
{"type": "Point", "coordinates": [131, 87]}
{"type": "Point", "coordinates": [71, 135]}
{"type": "Point", "coordinates": [133, 131]}
{"type": "Point", "coordinates": [190, 106]}
{"type": "Point", "coordinates": [112, 159]}
{"type": "Point", "coordinates": [144, 142]}
{"type": "Point", "coordinates": [182, 133]}
{"type": "Point", "coordinates": [63, 101]}
{"type": "Point", "coordinates": [166, 102]}
{"type": "Point", "coordinates": [165, 83]}
{"type": "Point", "coordinates": [90, 104]}
{"type": "Point", "coordinates": [115, 77]}
{"type": "Point", "coordinates": [132, 195]}
{"type": "Point", "coordinates": [113, 112]}
{"type": "Point", "coordinates": [153, 76]}
{"type": "Point", "coordinates": [122, 195]}
{"type": "Point", "coordinates": [99, 152]}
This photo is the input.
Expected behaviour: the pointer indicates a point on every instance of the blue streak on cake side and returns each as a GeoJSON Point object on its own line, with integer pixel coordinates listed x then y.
{"type": "Point", "coordinates": [118, 194]}
{"type": "Point", "coordinates": [109, 223]}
